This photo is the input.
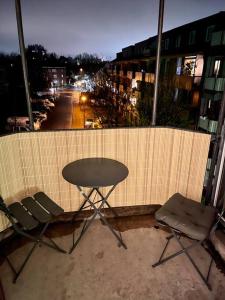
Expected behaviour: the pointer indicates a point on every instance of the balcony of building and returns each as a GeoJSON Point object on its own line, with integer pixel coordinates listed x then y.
{"type": "Point", "coordinates": [161, 162]}
{"type": "Point", "coordinates": [208, 125]}
{"type": "Point", "coordinates": [214, 84]}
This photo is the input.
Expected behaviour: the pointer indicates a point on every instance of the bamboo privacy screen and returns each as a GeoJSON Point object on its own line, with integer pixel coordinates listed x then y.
{"type": "Point", "coordinates": [161, 161]}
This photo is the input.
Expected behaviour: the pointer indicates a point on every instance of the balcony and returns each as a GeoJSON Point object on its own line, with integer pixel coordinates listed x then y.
{"type": "Point", "coordinates": [138, 76]}
{"type": "Point", "coordinates": [214, 84]}
{"type": "Point", "coordinates": [130, 74]}
{"type": "Point", "coordinates": [183, 82]}
{"type": "Point", "coordinates": [208, 125]}
{"type": "Point", "coordinates": [150, 77]}
{"type": "Point", "coordinates": [161, 161]}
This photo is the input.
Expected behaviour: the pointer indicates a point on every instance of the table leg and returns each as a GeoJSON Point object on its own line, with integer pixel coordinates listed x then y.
{"type": "Point", "coordinates": [106, 202]}
{"type": "Point", "coordinates": [98, 212]}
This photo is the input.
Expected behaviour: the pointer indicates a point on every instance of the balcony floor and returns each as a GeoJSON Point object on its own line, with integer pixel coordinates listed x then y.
{"type": "Point", "coordinates": [99, 269]}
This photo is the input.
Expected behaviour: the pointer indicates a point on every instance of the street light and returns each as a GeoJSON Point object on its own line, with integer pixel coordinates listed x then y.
{"type": "Point", "coordinates": [83, 101]}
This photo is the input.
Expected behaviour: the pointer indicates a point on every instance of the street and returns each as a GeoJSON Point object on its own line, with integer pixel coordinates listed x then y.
{"type": "Point", "coordinates": [68, 113]}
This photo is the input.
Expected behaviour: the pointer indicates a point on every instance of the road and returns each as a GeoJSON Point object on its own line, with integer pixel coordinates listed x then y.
{"type": "Point", "coordinates": [67, 113]}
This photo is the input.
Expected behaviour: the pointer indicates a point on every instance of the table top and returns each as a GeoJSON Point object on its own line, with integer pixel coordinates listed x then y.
{"type": "Point", "coordinates": [95, 172]}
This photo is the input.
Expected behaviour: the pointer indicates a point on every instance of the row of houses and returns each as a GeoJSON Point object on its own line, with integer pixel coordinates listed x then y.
{"type": "Point", "coordinates": [192, 66]}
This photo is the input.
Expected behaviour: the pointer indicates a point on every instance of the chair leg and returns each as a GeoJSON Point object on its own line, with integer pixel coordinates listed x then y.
{"type": "Point", "coordinates": [185, 251]}
{"type": "Point", "coordinates": [162, 254]}
{"type": "Point", "coordinates": [36, 240]}
{"type": "Point", "coordinates": [24, 263]}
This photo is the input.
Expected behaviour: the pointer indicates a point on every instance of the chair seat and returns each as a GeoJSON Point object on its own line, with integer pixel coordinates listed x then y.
{"type": "Point", "coordinates": [188, 216]}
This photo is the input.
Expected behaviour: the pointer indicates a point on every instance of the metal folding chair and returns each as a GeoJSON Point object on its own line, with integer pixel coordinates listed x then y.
{"type": "Point", "coordinates": [187, 218]}
{"type": "Point", "coordinates": [31, 213]}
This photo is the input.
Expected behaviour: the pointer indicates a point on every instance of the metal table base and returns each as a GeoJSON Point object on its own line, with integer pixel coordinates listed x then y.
{"type": "Point", "coordinates": [88, 202]}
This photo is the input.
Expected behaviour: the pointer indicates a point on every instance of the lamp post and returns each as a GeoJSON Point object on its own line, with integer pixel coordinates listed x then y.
{"type": "Point", "coordinates": [83, 99]}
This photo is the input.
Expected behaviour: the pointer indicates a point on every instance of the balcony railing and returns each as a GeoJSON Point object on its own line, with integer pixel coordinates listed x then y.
{"type": "Point", "coordinates": [130, 74]}
{"type": "Point", "coordinates": [161, 161]}
{"type": "Point", "coordinates": [208, 125]}
{"type": "Point", "coordinates": [150, 77]}
{"type": "Point", "coordinates": [214, 84]}
{"type": "Point", "coordinates": [183, 82]}
{"type": "Point", "coordinates": [138, 76]}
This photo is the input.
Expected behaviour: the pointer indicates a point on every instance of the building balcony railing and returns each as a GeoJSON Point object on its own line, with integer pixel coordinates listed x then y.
{"type": "Point", "coordinates": [183, 82]}
{"type": "Point", "coordinates": [161, 161]}
{"type": "Point", "coordinates": [138, 76]}
{"type": "Point", "coordinates": [207, 124]}
{"type": "Point", "coordinates": [130, 74]}
{"type": "Point", "coordinates": [150, 77]}
{"type": "Point", "coordinates": [214, 84]}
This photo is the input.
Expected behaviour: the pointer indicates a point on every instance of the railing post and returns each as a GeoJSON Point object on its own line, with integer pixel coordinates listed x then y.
{"type": "Point", "coordinates": [24, 62]}
{"type": "Point", "coordinates": [214, 173]}
{"type": "Point", "coordinates": [157, 69]}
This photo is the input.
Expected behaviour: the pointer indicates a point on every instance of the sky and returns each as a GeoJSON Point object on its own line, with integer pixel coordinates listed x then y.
{"type": "Point", "coordinates": [103, 27]}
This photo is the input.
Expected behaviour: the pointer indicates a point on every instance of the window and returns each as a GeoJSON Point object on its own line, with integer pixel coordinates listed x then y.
{"type": "Point", "coordinates": [216, 68]}
{"type": "Point", "coordinates": [209, 31]}
{"type": "Point", "coordinates": [166, 44]}
{"type": "Point", "coordinates": [53, 70]}
{"type": "Point", "coordinates": [179, 66]}
{"type": "Point", "coordinates": [192, 36]}
{"type": "Point", "coordinates": [54, 75]}
{"type": "Point", "coordinates": [178, 41]}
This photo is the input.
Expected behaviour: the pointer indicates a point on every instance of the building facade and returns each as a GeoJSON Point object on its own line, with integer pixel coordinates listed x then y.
{"type": "Point", "coordinates": [192, 69]}
{"type": "Point", "coordinates": [54, 76]}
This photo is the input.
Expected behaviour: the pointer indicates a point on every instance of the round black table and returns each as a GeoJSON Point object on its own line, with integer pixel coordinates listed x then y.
{"type": "Point", "coordinates": [95, 173]}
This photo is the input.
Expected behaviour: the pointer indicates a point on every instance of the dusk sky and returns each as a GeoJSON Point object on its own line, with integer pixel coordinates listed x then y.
{"type": "Point", "coordinates": [103, 27]}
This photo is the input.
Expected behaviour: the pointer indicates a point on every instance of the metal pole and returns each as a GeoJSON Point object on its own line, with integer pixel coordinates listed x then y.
{"type": "Point", "coordinates": [157, 69]}
{"type": "Point", "coordinates": [216, 156]}
{"type": "Point", "coordinates": [24, 62]}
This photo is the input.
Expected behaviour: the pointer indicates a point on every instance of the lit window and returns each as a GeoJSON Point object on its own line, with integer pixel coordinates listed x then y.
{"type": "Point", "coordinates": [192, 36]}
{"type": "Point", "coordinates": [216, 67]}
{"type": "Point", "coordinates": [179, 66]}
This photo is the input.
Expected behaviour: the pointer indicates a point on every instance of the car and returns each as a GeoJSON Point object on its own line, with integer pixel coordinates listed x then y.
{"type": "Point", "coordinates": [88, 123]}
{"type": "Point", "coordinates": [18, 121]}
{"type": "Point", "coordinates": [40, 107]}
{"type": "Point", "coordinates": [41, 116]}
{"type": "Point", "coordinates": [45, 102]}
{"type": "Point", "coordinates": [20, 129]}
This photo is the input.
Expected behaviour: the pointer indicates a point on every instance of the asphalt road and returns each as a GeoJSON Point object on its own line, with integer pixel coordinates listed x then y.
{"type": "Point", "coordinates": [67, 113]}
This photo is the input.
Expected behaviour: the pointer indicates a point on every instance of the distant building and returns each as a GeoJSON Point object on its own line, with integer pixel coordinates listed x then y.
{"type": "Point", "coordinates": [192, 65]}
{"type": "Point", "coordinates": [54, 76]}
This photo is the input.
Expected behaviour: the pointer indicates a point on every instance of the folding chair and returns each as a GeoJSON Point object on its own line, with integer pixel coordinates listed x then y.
{"type": "Point", "coordinates": [185, 217]}
{"type": "Point", "coordinates": [31, 213]}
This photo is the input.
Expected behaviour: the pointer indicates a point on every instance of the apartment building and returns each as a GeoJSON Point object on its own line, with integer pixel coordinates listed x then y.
{"type": "Point", "coordinates": [192, 66]}
{"type": "Point", "coordinates": [54, 76]}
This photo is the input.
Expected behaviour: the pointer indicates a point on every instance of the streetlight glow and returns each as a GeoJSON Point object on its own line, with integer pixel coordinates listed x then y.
{"type": "Point", "coordinates": [83, 98]}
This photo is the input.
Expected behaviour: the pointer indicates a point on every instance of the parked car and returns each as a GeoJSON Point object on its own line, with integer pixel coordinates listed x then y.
{"type": "Point", "coordinates": [16, 121]}
{"type": "Point", "coordinates": [42, 116]}
{"type": "Point", "coordinates": [20, 129]}
{"type": "Point", "coordinates": [45, 102]}
{"type": "Point", "coordinates": [88, 123]}
{"type": "Point", "coordinates": [40, 107]}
